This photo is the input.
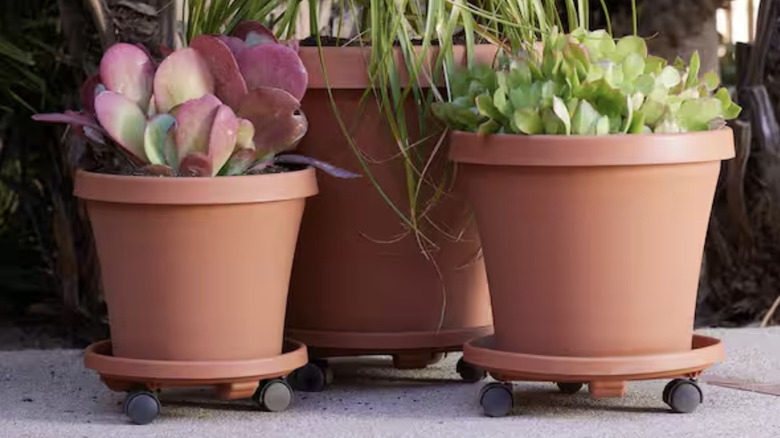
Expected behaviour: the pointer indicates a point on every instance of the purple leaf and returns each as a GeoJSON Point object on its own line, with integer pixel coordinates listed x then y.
{"type": "Point", "coordinates": [182, 76]}
{"type": "Point", "coordinates": [236, 45]}
{"type": "Point", "coordinates": [274, 65]}
{"type": "Point", "coordinates": [128, 70]}
{"type": "Point", "coordinates": [70, 118]}
{"type": "Point", "coordinates": [255, 39]}
{"type": "Point", "coordinates": [325, 167]}
{"type": "Point", "coordinates": [222, 140]}
{"type": "Point", "coordinates": [279, 124]}
{"type": "Point", "coordinates": [195, 164]}
{"type": "Point", "coordinates": [243, 29]}
{"type": "Point", "coordinates": [229, 85]}
{"type": "Point", "coordinates": [124, 122]}
{"type": "Point", "coordinates": [240, 162]}
{"type": "Point", "coordinates": [193, 125]}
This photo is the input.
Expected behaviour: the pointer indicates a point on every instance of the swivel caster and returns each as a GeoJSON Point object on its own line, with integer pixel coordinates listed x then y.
{"type": "Point", "coordinates": [683, 395]}
{"type": "Point", "coordinates": [469, 372]}
{"type": "Point", "coordinates": [569, 387]}
{"type": "Point", "coordinates": [273, 395]}
{"type": "Point", "coordinates": [141, 406]}
{"type": "Point", "coordinates": [312, 377]}
{"type": "Point", "coordinates": [496, 399]}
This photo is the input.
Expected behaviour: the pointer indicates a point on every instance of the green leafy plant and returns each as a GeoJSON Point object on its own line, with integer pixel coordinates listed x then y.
{"type": "Point", "coordinates": [586, 83]}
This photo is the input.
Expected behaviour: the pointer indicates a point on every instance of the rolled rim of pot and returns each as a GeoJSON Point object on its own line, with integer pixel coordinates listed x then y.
{"type": "Point", "coordinates": [608, 150]}
{"type": "Point", "coordinates": [245, 189]}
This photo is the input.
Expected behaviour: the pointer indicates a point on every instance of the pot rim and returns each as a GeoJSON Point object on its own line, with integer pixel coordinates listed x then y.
{"type": "Point", "coordinates": [587, 151]}
{"type": "Point", "coordinates": [344, 64]}
{"type": "Point", "coordinates": [244, 189]}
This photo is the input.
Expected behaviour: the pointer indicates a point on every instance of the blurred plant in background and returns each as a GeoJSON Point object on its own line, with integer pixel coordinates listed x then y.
{"type": "Point", "coordinates": [46, 263]}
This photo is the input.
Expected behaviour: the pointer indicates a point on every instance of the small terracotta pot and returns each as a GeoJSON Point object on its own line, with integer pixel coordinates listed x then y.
{"type": "Point", "coordinates": [354, 276]}
{"type": "Point", "coordinates": [196, 269]}
{"type": "Point", "coordinates": [593, 245]}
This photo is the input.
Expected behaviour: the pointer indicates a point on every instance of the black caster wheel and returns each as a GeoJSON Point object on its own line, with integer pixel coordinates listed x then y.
{"type": "Point", "coordinates": [683, 395]}
{"type": "Point", "coordinates": [312, 377]}
{"type": "Point", "coordinates": [273, 395]}
{"type": "Point", "coordinates": [469, 372]}
{"type": "Point", "coordinates": [496, 399]}
{"type": "Point", "coordinates": [570, 387]}
{"type": "Point", "coordinates": [141, 406]}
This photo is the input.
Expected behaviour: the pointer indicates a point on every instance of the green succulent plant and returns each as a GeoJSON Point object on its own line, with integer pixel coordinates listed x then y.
{"type": "Point", "coordinates": [587, 83]}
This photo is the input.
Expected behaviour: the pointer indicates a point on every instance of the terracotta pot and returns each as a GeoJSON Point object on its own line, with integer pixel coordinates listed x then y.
{"type": "Point", "coordinates": [359, 276]}
{"type": "Point", "coordinates": [593, 245]}
{"type": "Point", "coordinates": [196, 269]}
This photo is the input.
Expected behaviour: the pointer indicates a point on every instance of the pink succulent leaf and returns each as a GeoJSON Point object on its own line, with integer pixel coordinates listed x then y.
{"type": "Point", "coordinates": [157, 170]}
{"type": "Point", "coordinates": [88, 93]}
{"type": "Point", "coordinates": [274, 65]}
{"type": "Point", "coordinates": [229, 85]}
{"type": "Point", "coordinates": [182, 76]}
{"type": "Point", "coordinates": [128, 70]}
{"type": "Point", "coordinates": [325, 167]}
{"type": "Point", "coordinates": [70, 118]}
{"type": "Point", "coordinates": [236, 45]}
{"type": "Point", "coordinates": [243, 29]}
{"type": "Point", "coordinates": [171, 154]}
{"type": "Point", "coordinates": [239, 162]}
{"type": "Point", "coordinates": [156, 137]}
{"type": "Point", "coordinates": [293, 44]}
{"type": "Point", "coordinates": [152, 109]}
{"type": "Point", "coordinates": [246, 133]}
{"type": "Point", "coordinates": [124, 122]}
{"type": "Point", "coordinates": [255, 39]}
{"type": "Point", "coordinates": [194, 119]}
{"type": "Point", "coordinates": [278, 121]}
{"type": "Point", "coordinates": [222, 140]}
{"type": "Point", "coordinates": [195, 164]}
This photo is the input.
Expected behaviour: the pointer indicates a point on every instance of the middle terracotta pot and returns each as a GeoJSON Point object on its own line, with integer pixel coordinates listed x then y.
{"type": "Point", "coordinates": [360, 280]}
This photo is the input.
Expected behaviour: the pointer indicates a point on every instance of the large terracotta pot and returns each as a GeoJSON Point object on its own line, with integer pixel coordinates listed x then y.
{"type": "Point", "coordinates": [360, 280]}
{"type": "Point", "coordinates": [196, 269]}
{"type": "Point", "coordinates": [593, 245]}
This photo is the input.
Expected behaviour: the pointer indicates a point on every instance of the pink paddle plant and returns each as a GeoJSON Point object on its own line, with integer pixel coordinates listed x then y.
{"type": "Point", "coordinates": [225, 105]}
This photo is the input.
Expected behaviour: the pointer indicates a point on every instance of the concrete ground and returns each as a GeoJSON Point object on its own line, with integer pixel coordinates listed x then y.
{"type": "Point", "coordinates": [48, 393]}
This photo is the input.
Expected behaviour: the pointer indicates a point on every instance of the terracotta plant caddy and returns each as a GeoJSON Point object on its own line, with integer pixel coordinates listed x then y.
{"type": "Point", "coordinates": [593, 247]}
{"type": "Point", "coordinates": [196, 274]}
{"type": "Point", "coordinates": [356, 289]}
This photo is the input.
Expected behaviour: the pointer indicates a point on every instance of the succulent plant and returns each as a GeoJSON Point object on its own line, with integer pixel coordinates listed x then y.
{"type": "Point", "coordinates": [222, 106]}
{"type": "Point", "coordinates": [586, 83]}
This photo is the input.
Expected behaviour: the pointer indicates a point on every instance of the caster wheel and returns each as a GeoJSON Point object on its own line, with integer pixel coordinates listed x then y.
{"type": "Point", "coordinates": [683, 396]}
{"type": "Point", "coordinates": [312, 377]}
{"type": "Point", "coordinates": [496, 400]}
{"type": "Point", "coordinates": [273, 395]}
{"type": "Point", "coordinates": [436, 358]}
{"type": "Point", "coordinates": [469, 372]}
{"type": "Point", "coordinates": [142, 407]}
{"type": "Point", "coordinates": [569, 387]}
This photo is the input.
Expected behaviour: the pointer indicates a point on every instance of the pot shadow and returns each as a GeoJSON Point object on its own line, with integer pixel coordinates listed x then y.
{"type": "Point", "coordinates": [541, 402]}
